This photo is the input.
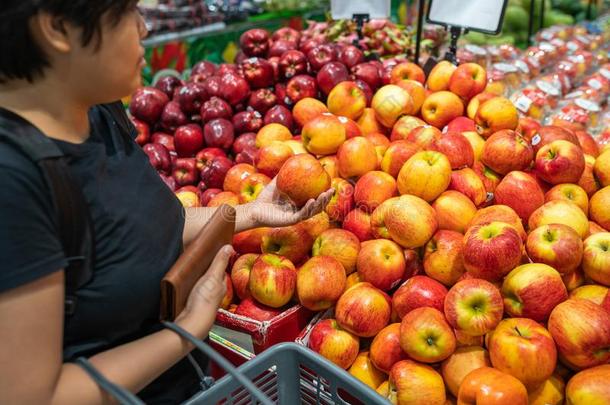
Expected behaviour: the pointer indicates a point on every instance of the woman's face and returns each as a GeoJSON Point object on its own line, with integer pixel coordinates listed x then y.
{"type": "Point", "coordinates": [111, 70]}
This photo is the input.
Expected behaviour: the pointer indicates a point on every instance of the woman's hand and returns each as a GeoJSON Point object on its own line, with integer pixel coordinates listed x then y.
{"type": "Point", "coordinates": [269, 210]}
{"type": "Point", "coordinates": [203, 301]}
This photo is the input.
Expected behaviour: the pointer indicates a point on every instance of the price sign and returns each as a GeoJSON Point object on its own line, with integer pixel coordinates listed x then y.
{"type": "Point", "coordinates": [341, 9]}
{"type": "Point", "coordinates": [478, 15]}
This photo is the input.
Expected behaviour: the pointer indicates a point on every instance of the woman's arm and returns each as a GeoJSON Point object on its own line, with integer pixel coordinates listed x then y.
{"type": "Point", "coordinates": [266, 210]}
{"type": "Point", "coordinates": [31, 369]}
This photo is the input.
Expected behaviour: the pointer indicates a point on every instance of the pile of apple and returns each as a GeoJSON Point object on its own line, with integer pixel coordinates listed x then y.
{"type": "Point", "coordinates": [462, 258]}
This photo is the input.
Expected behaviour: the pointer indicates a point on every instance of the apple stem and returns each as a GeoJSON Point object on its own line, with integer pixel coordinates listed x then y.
{"type": "Point", "coordinates": [518, 331]}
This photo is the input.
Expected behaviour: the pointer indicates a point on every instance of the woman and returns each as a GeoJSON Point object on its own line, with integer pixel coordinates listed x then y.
{"type": "Point", "coordinates": [59, 59]}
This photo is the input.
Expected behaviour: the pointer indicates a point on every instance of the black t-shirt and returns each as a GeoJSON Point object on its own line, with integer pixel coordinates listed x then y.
{"type": "Point", "coordinates": [138, 225]}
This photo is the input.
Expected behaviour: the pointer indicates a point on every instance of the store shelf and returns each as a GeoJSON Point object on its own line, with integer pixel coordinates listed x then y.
{"type": "Point", "coordinates": [161, 39]}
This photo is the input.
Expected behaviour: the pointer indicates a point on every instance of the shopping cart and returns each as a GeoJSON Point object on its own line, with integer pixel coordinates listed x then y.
{"type": "Point", "coordinates": [285, 374]}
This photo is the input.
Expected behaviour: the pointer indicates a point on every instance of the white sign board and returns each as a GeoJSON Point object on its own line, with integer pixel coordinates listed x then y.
{"type": "Point", "coordinates": [345, 9]}
{"type": "Point", "coordinates": [478, 15]}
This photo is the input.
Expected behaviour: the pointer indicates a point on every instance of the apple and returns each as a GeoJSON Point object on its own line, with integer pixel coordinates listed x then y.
{"type": "Point", "coordinates": [302, 178]}
{"type": "Point", "coordinates": [279, 47]}
{"type": "Point", "coordinates": [356, 156]}
{"type": "Point", "coordinates": [339, 244]}
{"type": "Point", "coordinates": [464, 360]}
{"type": "Point", "coordinates": [528, 127]}
{"type": "Point", "coordinates": [560, 212]}
{"type": "Point", "coordinates": [254, 310]}
{"type": "Point", "coordinates": [581, 331]}
{"type": "Point", "coordinates": [235, 175]}
{"type": "Point", "coordinates": [454, 211]}
{"type": "Point", "coordinates": [457, 149]}
{"type": "Point", "coordinates": [207, 195]}
{"type": "Point", "coordinates": [270, 133]}
{"type": "Point", "coordinates": [489, 178]}
{"type": "Point", "coordinates": [158, 156]}
{"type": "Point", "coordinates": [588, 143]}
{"type": "Point", "coordinates": [487, 385]}
{"type": "Point", "coordinates": [390, 102]}
{"type": "Point", "coordinates": [601, 168]}
{"type": "Point", "coordinates": [258, 72]}
{"type": "Point", "coordinates": [347, 99]}
{"type": "Point", "coordinates": [358, 222]}
{"type": "Point", "coordinates": [270, 158]}
{"type": "Point", "coordinates": [292, 242]}
{"type": "Point", "coordinates": [385, 350]}
{"type": "Point", "coordinates": [185, 171]}
{"type": "Point", "coordinates": [247, 121]}
{"type": "Point", "coordinates": [551, 391]}
{"type": "Point", "coordinates": [211, 86]}
{"type": "Point", "coordinates": [532, 291]}
{"type": "Point", "coordinates": [598, 210]}
{"type": "Point", "coordinates": [506, 151]}
{"type": "Point", "coordinates": [172, 117]}
{"type": "Point", "coordinates": [215, 171]}
{"type": "Point", "coordinates": [254, 42]}
{"type": "Point", "coordinates": [252, 186]}
{"type": "Point", "coordinates": [589, 386]}
{"type": "Point", "coordinates": [414, 383]}
{"type": "Point", "coordinates": [372, 189]}
{"type": "Point", "coordinates": [334, 343]}
{"type": "Point", "coordinates": [321, 55]}
{"type": "Point", "coordinates": [396, 155]}
{"type": "Point", "coordinates": [410, 221]}
{"type": "Point", "coordinates": [307, 109]}
{"type": "Point", "coordinates": [300, 87]}
{"type": "Point", "coordinates": [320, 282]}
{"type": "Point", "coordinates": [425, 137]}
{"type": "Point", "coordinates": [461, 124]}
{"type": "Point", "coordinates": [426, 175]}
{"type": "Point", "coordinates": [556, 245]}
{"type": "Point", "coordinates": [587, 181]}
{"type": "Point", "coordinates": [473, 306]}
{"type": "Point", "coordinates": [368, 74]}
{"type": "Point", "coordinates": [443, 258]}
{"type": "Point", "coordinates": [350, 56]}
{"type": "Point", "coordinates": [352, 129]}
{"type": "Point", "coordinates": [550, 133]}
{"type": "Point", "coordinates": [286, 33]}
{"type": "Point", "coordinates": [363, 369]}
{"type": "Point", "coordinates": [240, 274]}
{"type": "Point", "coordinates": [323, 135]}
{"type": "Point", "coordinates": [188, 140]}
{"type": "Point", "coordinates": [363, 310]}
{"type": "Point", "coordinates": [272, 280]}
{"type": "Point", "coordinates": [331, 75]}
{"type": "Point", "coordinates": [262, 100]}
{"type": "Point", "coordinates": [206, 155]}
{"type": "Point", "coordinates": [418, 291]}
{"type": "Point", "coordinates": [143, 130]}
{"type": "Point", "coordinates": [467, 182]}
{"type": "Point", "coordinates": [426, 336]}
{"type": "Point", "coordinates": [440, 75]}
{"type": "Point", "coordinates": [596, 258]}
{"type": "Point", "coordinates": [381, 262]}
{"type": "Point", "coordinates": [404, 126]}
{"type": "Point", "coordinates": [560, 162]}
{"type": "Point", "coordinates": [368, 122]}
{"type": "Point", "coordinates": [188, 197]}
{"type": "Point", "coordinates": [224, 197]}
{"type": "Point", "coordinates": [593, 292]}
{"type": "Point", "coordinates": [476, 101]}
{"type": "Point", "coordinates": [315, 225]}
{"type": "Point", "coordinates": [407, 71]}
{"type": "Point", "coordinates": [342, 200]}
{"type": "Point", "coordinates": [417, 92]}
{"type": "Point", "coordinates": [468, 80]}
{"type": "Point", "coordinates": [147, 104]}
{"type": "Point", "coordinates": [494, 115]}
{"type": "Point", "coordinates": [292, 63]}
{"type": "Point", "coordinates": [441, 107]}
{"type": "Point", "coordinates": [569, 192]}
{"type": "Point", "coordinates": [214, 108]}
{"type": "Point", "coordinates": [329, 163]}
{"type": "Point", "coordinates": [279, 115]}
{"type": "Point", "coordinates": [521, 192]}
{"type": "Point", "coordinates": [168, 84]}
{"type": "Point", "coordinates": [492, 250]}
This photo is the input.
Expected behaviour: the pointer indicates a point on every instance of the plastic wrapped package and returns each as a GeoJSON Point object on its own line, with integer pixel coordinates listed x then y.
{"type": "Point", "coordinates": [504, 78]}
{"type": "Point", "coordinates": [473, 53]}
{"type": "Point", "coordinates": [531, 102]}
{"type": "Point", "coordinates": [578, 114]}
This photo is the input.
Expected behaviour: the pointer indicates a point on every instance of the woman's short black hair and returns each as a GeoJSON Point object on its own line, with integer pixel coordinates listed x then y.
{"type": "Point", "coordinates": [20, 56]}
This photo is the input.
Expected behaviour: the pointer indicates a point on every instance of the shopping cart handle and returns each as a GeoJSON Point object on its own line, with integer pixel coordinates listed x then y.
{"type": "Point", "coordinates": [221, 361]}
{"type": "Point", "coordinates": [117, 392]}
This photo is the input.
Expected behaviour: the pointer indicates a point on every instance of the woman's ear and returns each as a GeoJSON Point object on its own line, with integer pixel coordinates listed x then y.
{"type": "Point", "coordinates": [53, 33]}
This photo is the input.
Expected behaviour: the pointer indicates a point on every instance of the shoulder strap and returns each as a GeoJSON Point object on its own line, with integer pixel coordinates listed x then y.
{"type": "Point", "coordinates": [76, 231]}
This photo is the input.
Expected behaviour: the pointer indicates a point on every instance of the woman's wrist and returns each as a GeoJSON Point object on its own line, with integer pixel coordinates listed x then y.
{"type": "Point", "coordinates": [246, 217]}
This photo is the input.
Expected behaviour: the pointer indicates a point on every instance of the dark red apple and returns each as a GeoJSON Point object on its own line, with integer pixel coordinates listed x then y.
{"type": "Point", "coordinates": [172, 117]}
{"type": "Point", "coordinates": [308, 45]}
{"type": "Point", "coordinates": [301, 86]}
{"type": "Point", "coordinates": [163, 139]}
{"type": "Point", "coordinates": [275, 64]}
{"type": "Point", "coordinates": [225, 68]}
{"type": "Point", "coordinates": [330, 75]}
{"type": "Point", "coordinates": [280, 115]}
{"type": "Point", "coordinates": [185, 171]}
{"type": "Point", "coordinates": [262, 100]}
{"type": "Point", "coordinates": [321, 55]}
{"type": "Point", "coordinates": [169, 181]}
{"type": "Point", "coordinates": [168, 84]}
{"type": "Point", "coordinates": [240, 57]}
{"type": "Point", "coordinates": [207, 195]}
{"type": "Point", "coordinates": [254, 42]}
{"type": "Point", "coordinates": [191, 97]}
{"type": "Point", "coordinates": [282, 95]}
{"type": "Point", "coordinates": [286, 33]}
{"type": "Point", "coordinates": [258, 72]}
{"type": "Point", "coordinates": [188, 140]}
{"type": "Point", "coordinates": [234, 88]}
{"type": "Point", "coordinates": [351, 55]}
{"type": "Point", "coordinates": [214, 172]}
{"type": "Point", "coordinates": [214, 108]}
{"type": "Point", "coordinates": [218, 133]}
{"type": "Point", "coordinates": [204, 67]}
{"type": "Point", "coordinates": [368, 92]}
{"type": "Point", "coordinates": [158, 156]}
{"type": "Point", "coordinates": [386, 75]}
{"type": "Point", "coordinates": [247, 155]}
{"type": "Point", "coordinates": [143, 131]}
{"type": "Point", "coordinates": [280, 46]}
{"type": "Point", "coordinates": [247, 121]}
{"type": "Point", "coordinates": [147, 104]}
{"type": "Point", "coordinates": [292, 63]}
{"type": "Point", "coordinates": [243, 141]}
{"type": "Point", "coordinates": [212, 86]}
{"type": "Point", "coordinates": [368, 73]}
{"type": "Point", "coordinates": [206, 155]}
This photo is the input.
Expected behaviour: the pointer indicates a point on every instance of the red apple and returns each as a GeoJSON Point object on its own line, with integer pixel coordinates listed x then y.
{"type": "Point", "coordinates": [443, 258]}
{"type": "Point", "coordinates": [214, 108]}
{"type": "Point", "coordinates": [372, 189]}
{"type": "Point", "coordinates": [158, 156]}
{"type": "Point", "coordinates": [147, 104]}
{"type": "Point", "coordinates": [240, 274]}
{"type": "Point", "coordinates": [234, 88]}
{"type": "Point", "coordinates": [407, 71]}
{"type": "Point", "coordinates": [286, 33]}
{"type": "Point", "coordinates": [168, 84]}
{"type": "Point", "coordinates": [331, 341]}
{"type": "Point", "coordinates": [363, 310]}
{"type": "Point", "coordinates": [254, 42]}
{"type": "Point", "coordinates": [292, 63]}
{"type": "Point", "coordinates": [358, 222]}
{"type": "Point", "coordinates": [457, 149]}
{"type": "Point", "coordinates": [292, 242]}
{"type": "Point", "coordinates": [589, 386]}
{"type": "Point", "coordinates": [207, 195]}
{"type": "Point", "coordinates": [468, 80]}
{"type": "Point", "coordinates": [521, 192]}
{"type": "Point", "coordinates": [301, 86]}
{"type": "Point", "coordinates": [214, 172]}
{"type": "Point", "coordinates": [172, 117]}
{"type": "Point", "coordinates": [485, 385]}
{"type": "Point", "coordinates": [188, 140]}
{"type": "Point", "coordinates": [330, 75]}
{"type": "Point", "coordinates": [143, 131]}
{"type": "Point", "coordinates": [191, 97]}
{"type": "Point", "coordinates": [557, 245]}
{"type": "Point", "coordinates": [302, 178]}
{"type": "Point", "coordinates": [464, 360]}
{"type": "Point", "coordinates": [258, 72]}
{"type": "Point", "coordinates": [249, 241]}
{"type": "Point", "coordinates": [506, 151]}
{"type": "Point", "coordinates": [381, 262]}
{"type": "Point", "coordinates": [351, 56]}
{"type": "Point", "coordinates": [426, 336]}
{"type": "Point", "coordinates": [416, 292]}
{"type": "Point", "coordinates": [272, 280]}
{"type": "Point", "coordinates": [219, 133]}
{"type": "Point", "coordinates": [560, 162]}
{"type": "Point", "coordinates": [368, 73]}
{"type": "Point", "coordinates": [206, 155]}
{"type": "Point", "coordinates": [396, 155]}
{"type": "Point", "coordinates": [320, 282]}
{"type": "Point", "coordinates": [247, 121]}
{"type": "Point", "coordinates": [547, 134]}
{"type": "Point", "coordinates": [280, 115]}
{"type": "Point", "coordinates": [414, 383]}
{"type": "Point", "coordinates": [185, 171]}
{"type": "Point", "coordinates": [320, 56]}
{"type": "Point", "coordinates": [262, 100]}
